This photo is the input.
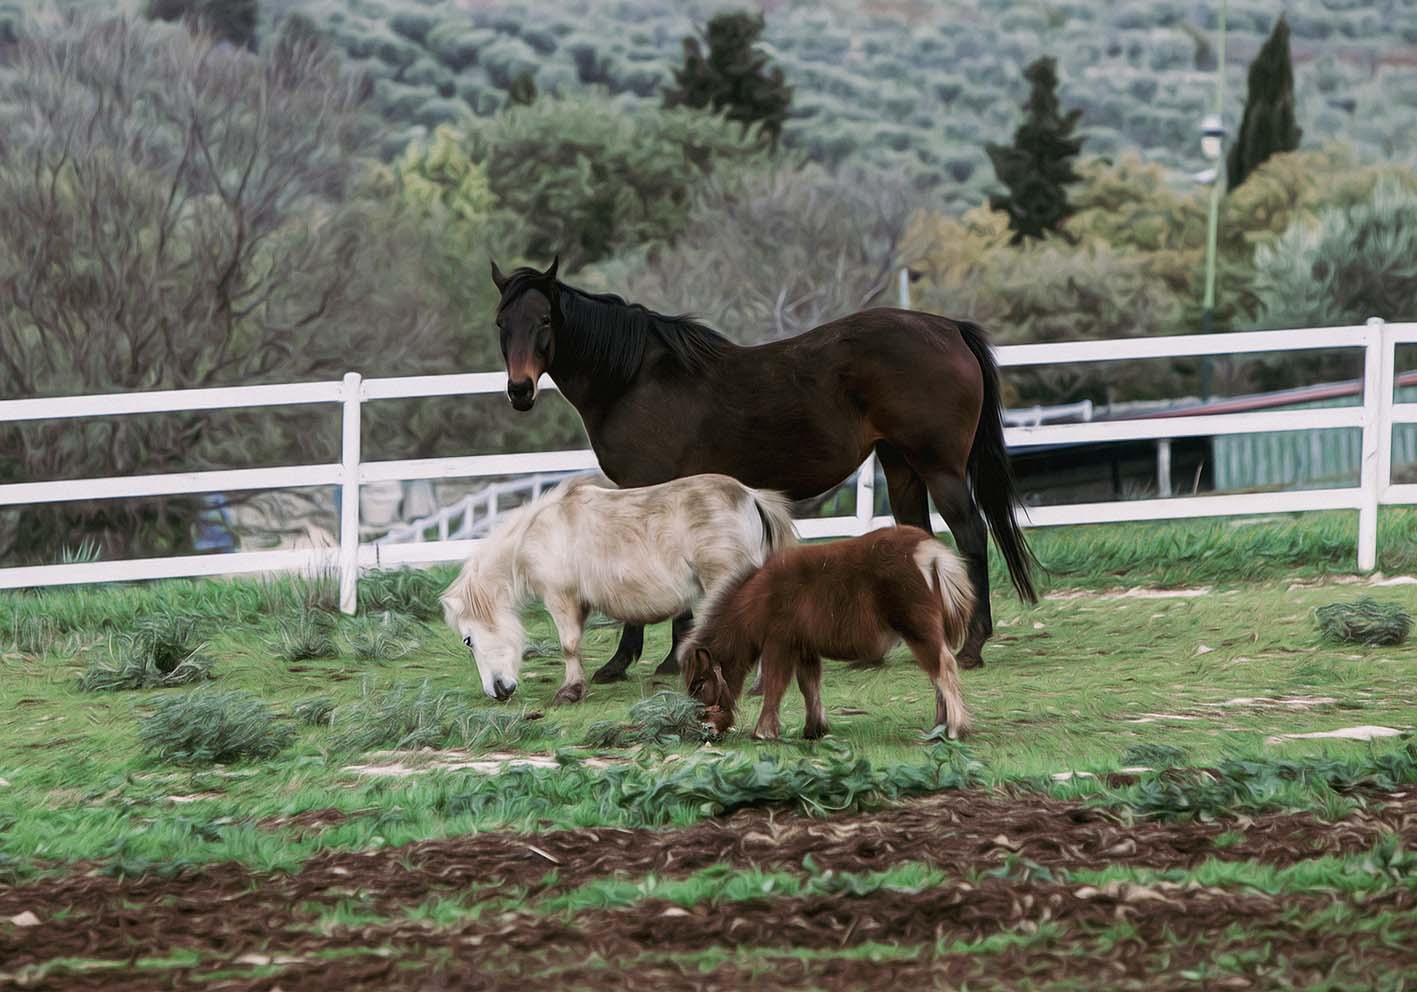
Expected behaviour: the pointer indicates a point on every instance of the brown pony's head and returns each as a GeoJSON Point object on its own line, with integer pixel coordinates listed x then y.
{"type": "Point", "coordinates": [703, 678]}
{"type": "Point", "coordinates": [528, 320]}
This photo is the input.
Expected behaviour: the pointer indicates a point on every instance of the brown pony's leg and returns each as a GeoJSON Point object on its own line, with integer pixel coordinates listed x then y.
{"type": "Point", "coordinates": [777, 672]}
{"type": "Point", "coordinates": [971, 534]}
{"type": "Point", "coordinates": [809, 680]}
{"type": "Point", "coordinates": [936, 660]}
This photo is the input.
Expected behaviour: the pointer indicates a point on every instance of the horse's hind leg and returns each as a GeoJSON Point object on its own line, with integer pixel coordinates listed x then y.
{"type": "Point", "coordinates": [678, 631]}
{"type": "Point", "coordinates": [632, 644]}
{"type": "Point", "coordinates": [809, 680]}
{"type": "Point", "coordinates": [971, 534]}
{"type": "Point", "coordinates": [933, 655]}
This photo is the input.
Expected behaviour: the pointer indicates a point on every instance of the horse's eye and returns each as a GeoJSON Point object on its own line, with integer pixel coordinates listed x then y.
{"type": "Point", "coordinates": [468, 640]}
{"type": "Point", "coordinates": [696, 685]}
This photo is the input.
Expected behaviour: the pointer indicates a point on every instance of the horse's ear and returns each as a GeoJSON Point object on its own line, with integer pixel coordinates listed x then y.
{"type": "Point", "coordinates": [498, 280]}
{"type": "Point", "coordinates": [551, 272]}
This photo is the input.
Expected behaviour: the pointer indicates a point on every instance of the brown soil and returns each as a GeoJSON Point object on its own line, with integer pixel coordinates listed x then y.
{"type": "Point", "coordinates": [234, 916]}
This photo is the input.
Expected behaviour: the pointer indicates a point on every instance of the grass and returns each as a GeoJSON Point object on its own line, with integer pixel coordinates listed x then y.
{"type": "Point", "coordinates": [1083, 682]}
{"type": "Point", "coordinates": [159, 651]}
{"type": "Point", "coordinates": [213, 728]}
{"type": "Point", "coordinates": [1364, 621]}
{"type": "Point", "coordinates": [307, 635]}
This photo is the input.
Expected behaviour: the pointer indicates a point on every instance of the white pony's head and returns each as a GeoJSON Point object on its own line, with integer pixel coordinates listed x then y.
{"type": "Point", "coordinates": [480, 606]}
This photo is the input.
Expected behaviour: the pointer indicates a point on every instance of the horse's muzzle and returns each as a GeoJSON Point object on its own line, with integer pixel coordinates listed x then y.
{"type": "Point", "coordinates": [522, 394]}
{"type": "Point", "coordinates": [502, 691]}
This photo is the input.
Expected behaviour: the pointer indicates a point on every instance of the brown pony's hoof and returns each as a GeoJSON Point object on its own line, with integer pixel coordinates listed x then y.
{"type": "Point", "coordinates": [569, 694]}
{"type": "Point", "coordinates": [610, 673]}
{"type": "Point", "coordinates": [966, 662]}
{"type": "Point", "coordinates": [669, 666]}
{"type": "Point", "coordinates": [814, 733]}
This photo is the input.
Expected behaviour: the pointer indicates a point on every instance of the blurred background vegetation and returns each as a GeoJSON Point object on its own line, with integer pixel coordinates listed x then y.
{"type": "Point", "coordinates": [209, 192]}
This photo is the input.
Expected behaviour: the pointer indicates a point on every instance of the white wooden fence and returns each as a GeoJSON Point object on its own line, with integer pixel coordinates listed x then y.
{"type": "Point", "coordinates": [1374, 418]}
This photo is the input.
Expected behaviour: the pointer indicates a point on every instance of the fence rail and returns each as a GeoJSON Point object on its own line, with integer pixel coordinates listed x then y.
{"type": "Point", "coordinates": [1375, 418]}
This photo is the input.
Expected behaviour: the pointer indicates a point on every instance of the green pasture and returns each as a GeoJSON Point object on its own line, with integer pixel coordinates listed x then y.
{"type": "Point", "coordinates": [1199, 637]}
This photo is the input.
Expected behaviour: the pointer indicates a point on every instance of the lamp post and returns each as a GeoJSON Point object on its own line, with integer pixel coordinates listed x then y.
{"type": "Point", "coordinates": [1212, 147]}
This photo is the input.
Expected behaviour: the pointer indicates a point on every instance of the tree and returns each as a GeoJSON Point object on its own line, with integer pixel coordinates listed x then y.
{"type": "Point", "coordinates": [523, 89]}
{"type": "Point", "coordinates": [232, 21]}
{"type": "Point", "coordinates": [179, 217]}
{"type": "Point", "coordinates": [1038, 166]}
{"type": "Point", "coordinates": [1268, 125]}
{"type": "Point", "coordinates": [772, 252]}
{"type": "Point", "coordinates": [581, 177]}
{"type": "Point", "coordinates": [734, 77]}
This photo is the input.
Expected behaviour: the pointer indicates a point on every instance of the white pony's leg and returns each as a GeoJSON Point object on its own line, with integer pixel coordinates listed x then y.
{"type": "Point", "coordinates": [569, 618]}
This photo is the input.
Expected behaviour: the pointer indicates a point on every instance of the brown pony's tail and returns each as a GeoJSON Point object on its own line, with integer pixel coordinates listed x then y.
{"type": "Point", "coordinates": [990, 475]}
{"type": "Point", "coordinates": [776, 512]}
{"type": "Point", "coordinates": [948, 579]}
{"type": "Point", "coordinates": [946, 575]}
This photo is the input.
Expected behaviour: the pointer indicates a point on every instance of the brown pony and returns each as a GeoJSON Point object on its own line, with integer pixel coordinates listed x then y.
{"type": "Point", "coordinates": [849, 599]}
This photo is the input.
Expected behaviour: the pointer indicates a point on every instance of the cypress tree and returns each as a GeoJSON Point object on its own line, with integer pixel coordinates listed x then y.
{"type": "Point", "coordinates": [1038, 166]}
{"type": "Point", "coordinates": [1268, 126]}
{"type": "Point", "coordinates": [734, 77]}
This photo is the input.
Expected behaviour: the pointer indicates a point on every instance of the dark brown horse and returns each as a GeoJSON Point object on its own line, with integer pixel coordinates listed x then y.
{"type": "Point", "coordinates": [849, 599]}
{"type": "Point", "coordinates": [664, 397]}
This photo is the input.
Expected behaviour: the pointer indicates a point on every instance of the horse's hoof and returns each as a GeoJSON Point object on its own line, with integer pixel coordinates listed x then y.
{"type": "Point", "coordinates": [814, 733]}
{"type": "Point", "coordinates": [766, 735]}
{"type": "Point", "coordinates": [966, 661]}
{"type": "Point", "coordinates": [669, 666]}
{"type": "Point", "coordinates": [568, 694]}
{"type": "Point", "coordinates": [610, 673]}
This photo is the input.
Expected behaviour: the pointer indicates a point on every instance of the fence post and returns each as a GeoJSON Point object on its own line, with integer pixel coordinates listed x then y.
{"type": "Point", "coordinates": [350, 396]}
{"type": "Point", "coordinates": [866, 494]}
{"type": "Point", "coordinates": [1377, 401]}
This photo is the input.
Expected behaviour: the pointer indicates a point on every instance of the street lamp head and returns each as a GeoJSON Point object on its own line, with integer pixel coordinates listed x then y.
{"type": "Point", "coordinates": [1212, 136]}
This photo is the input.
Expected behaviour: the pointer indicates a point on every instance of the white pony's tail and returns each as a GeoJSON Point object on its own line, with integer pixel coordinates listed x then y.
{"type": "Point", "coordinates": [775, 510]}
{"type": "Point", "coordinates": [946, 576]}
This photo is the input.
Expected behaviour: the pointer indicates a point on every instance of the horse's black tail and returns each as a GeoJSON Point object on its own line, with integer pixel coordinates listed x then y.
{"type": "Point", "coordinates": [990, 475]}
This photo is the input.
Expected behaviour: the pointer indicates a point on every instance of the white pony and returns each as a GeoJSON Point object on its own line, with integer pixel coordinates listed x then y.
{"type": "Point", "coordinates": [636, 555]}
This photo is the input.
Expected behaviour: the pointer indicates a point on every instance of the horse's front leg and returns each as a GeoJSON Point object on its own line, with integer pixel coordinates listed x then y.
{"type": "Point", "coordinates": [678, 631]}
{"type": "Point", "coordinates": [632, 643]}
{"type": "Point", "coordinates": [569, 617]}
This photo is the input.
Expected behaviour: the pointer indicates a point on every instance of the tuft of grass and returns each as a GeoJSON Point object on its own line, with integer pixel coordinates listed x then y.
{"type": "Point", "coordinates": [380, 636]}
{"type": "Point", "coordinates": [202, 728]}
{"type": "Point", "coordinates": [316, 711]}
{"type": "Point", "coordinates": [1364, 621]}
{"type": "Point", "coordinates": [32, 634]}
{"type": "Point", "coordinates": [665, 718]}
{"type": "Point", "coordinates": [413, 715]}
{"type": "Point", "coordinates": [410, 591]}
{"type": "Point", "coordinates": [1155, 755]}
{"type": "Point", "coordinates": [307, 635]}
{"type": "Point", "coordinates": [160, 650]}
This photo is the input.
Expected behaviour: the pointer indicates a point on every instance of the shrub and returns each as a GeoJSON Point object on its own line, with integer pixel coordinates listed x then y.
{"type": "Point", "coordinates": [799, 246]}
{"type": "Point", "coordinates": [1364, 621]}
{"type": "Point", "coordinates": [380, 636]}
{"type": "Point", "coordinates": [205, 727]}
{"type": "Point", "coordinates": [161, 650]}
{"type": "Point", "coordinates": [307, 635]}
{"type": "Point", "coordinates": [315, 712]}
{"type": "Point", "coordinates": [585, 178]}
{"type": "Point", "coordinates": [734, 77]}
{"type": "Point", "coordinates": [664, 718]}
{"type": "Point", "coordinates": [415, 592]}
{"type": "Point", "coordinates": [409, 715]}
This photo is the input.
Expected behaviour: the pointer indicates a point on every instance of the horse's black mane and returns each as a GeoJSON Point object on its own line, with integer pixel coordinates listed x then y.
{"type": "Point", "coordinates": [609, 335]}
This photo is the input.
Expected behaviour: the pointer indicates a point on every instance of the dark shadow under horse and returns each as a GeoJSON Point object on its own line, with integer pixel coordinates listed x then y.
{"type": "Point", "coordinates": [664, 397]}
